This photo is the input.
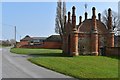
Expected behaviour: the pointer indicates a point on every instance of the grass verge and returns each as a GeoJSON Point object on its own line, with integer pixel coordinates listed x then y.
{"type": "Point", "coordinates": [78, 67]}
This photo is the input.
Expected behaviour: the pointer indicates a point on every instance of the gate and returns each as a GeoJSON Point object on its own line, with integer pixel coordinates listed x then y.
{"type": "Point", "coordinates": [84, 46]}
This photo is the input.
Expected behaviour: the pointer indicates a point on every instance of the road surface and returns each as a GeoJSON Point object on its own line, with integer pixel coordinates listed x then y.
{"type": "Point", "coordinates": [17, 66]}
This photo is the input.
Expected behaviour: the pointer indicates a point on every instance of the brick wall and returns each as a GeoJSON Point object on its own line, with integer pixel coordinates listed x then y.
{"type": "Point", "coordinates": [23, 43]}
{"type": "Point", "coordinates": [52, 45]}
{"type": "Point", "coordinates": [49, 45]}
{"type": "Point", "coordinates": [112, 51]}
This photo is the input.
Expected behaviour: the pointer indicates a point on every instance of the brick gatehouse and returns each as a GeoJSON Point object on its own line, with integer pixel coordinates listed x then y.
{"type": "Point", "coordinates": [89, 36]}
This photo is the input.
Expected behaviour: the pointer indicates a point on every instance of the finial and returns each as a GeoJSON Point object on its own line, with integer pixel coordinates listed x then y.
{"type": "Point", "coordinates": [73, 7]}
{"type": "Point", "coordinates": [109, 9]}
{"type": "Point", "coordinates": [80, 20]}
{"type": "Point", "coordinates": [93, 10]}
{"type": "Point", "coordinates": [109, 12]}
{"type": "Point", "coordinates": [73, 10]}
{"type": "Point", "coordinates": [99, 16]}
{"type": "Point", "coordinates": [68, 16]}
{"type": "Point", "coordinates": [86, 15]}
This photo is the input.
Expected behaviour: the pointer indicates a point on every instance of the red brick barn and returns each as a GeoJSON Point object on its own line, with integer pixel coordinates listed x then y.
{"type": "Point", "coordinates": [52, 42]}
{"type": "Point", "coordinates": [31, 42]}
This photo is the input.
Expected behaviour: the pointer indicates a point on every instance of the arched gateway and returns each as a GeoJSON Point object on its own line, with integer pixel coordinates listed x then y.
{"type": "Point", "coordinates": [89, 36]}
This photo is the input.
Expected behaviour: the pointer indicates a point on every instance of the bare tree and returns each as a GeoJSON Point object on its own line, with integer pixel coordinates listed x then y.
{"type": "Point", "coordinates": [12, 41]}
{"type": "Point", "coordinates": [115, 19]}
{"type": "Point", "coordinates": [59, 21]}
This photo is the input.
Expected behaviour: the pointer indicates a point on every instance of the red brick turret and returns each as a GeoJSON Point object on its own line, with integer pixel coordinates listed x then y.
{"type": "Point", "coordinates": [74, 35]}
{"type": "Point", "coordinates": [110, 38]}
{"type": "Point", "coordinates": [94, 35]}
{"type": "Point", "coordinates": [64, 36]}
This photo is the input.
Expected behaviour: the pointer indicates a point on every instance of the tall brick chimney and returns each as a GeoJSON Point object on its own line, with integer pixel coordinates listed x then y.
{"type": "Point", "coordinates": [94, 35]}
{"type": "Point", "coordinates": [74, 36]}
{"type": "Point", "coordinates": [86, 15]}
{"type": "Point", "coordinates": [110, 38]}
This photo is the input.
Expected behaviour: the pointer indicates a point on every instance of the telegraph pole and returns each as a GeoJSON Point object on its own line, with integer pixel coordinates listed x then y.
{"type": "Point", "coordinates": [15, 37]}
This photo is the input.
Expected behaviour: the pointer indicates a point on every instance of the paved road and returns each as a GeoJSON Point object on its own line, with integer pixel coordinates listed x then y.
{"type": "Point", "coordinates": [17, 66]}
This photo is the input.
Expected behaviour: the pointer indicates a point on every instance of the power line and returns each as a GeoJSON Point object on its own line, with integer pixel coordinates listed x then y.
{"type": "Point", "coordinates": [7, 24]}
{"type": "Point", "coordinates": [15, 30]}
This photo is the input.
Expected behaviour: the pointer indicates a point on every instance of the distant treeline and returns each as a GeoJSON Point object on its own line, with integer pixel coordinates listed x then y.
{"type": "Point", "coordinates": [7, 42]}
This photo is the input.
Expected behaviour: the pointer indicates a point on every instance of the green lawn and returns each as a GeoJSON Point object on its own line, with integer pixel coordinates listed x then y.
{"type": "Point", "coordinates": [78, 67]}
{"type": "Point", "coordinates": [36, 51]}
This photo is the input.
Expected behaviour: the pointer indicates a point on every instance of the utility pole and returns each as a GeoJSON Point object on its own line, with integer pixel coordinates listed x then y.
{"type": "Point", "coordinates": [15, 37]}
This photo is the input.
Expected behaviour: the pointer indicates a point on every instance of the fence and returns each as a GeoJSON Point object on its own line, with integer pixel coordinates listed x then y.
{"type": "Point", "coordinates": [112, 51]}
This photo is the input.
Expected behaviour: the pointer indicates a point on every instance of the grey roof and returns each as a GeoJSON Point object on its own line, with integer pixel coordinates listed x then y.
{"type": "Point", "coordinates": [40, 38]}
{"type": "Point", "coordinates": [53, 38]}
{"type": "Point", "coordinates": [28, 38]}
